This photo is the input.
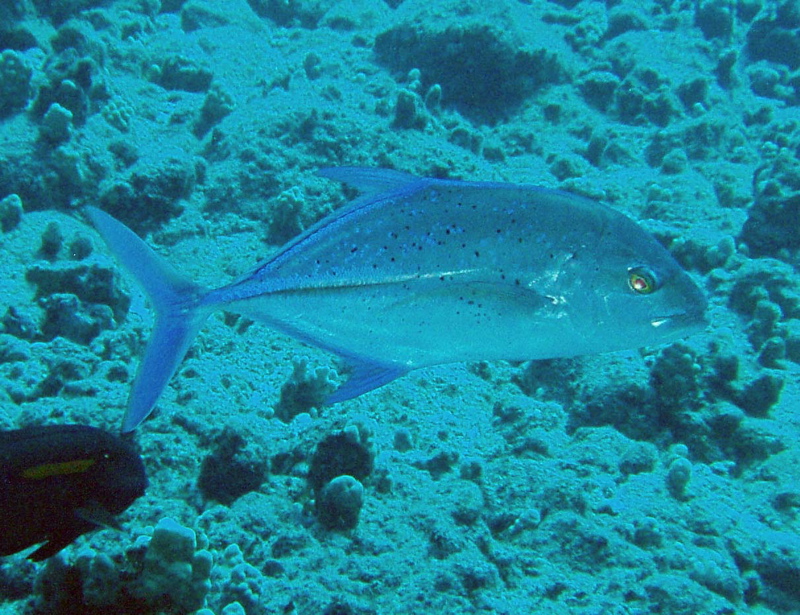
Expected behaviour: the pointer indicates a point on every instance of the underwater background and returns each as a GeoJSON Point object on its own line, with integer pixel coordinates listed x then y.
{"type": "Point", "coordinates": [665, 480]}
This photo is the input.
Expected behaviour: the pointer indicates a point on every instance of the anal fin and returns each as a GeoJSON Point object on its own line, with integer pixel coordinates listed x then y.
{"type": "Point", "coordinates": [365, 377]}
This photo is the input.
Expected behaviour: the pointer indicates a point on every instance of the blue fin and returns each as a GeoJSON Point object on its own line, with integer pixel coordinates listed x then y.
{"type": "Point", "coordinates": [178, 315]}
{"type": "Point", "coordinates": [369, 180]}
{"type": "Point", "coordinates": [364, 378]}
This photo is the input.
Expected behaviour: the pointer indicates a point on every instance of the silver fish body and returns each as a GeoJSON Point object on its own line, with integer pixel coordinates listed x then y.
{"type": "Point", "coordinates": [431, 271]}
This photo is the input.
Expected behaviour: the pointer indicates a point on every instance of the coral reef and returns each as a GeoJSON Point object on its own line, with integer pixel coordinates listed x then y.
{"type": "Point", "coordinates": [231, 469]}
{"type": "Point", "coordinates": [15, 82]}
{"type": "Point", "coordinates": [163, 573]}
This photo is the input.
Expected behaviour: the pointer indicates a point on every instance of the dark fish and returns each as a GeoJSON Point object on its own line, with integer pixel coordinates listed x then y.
{"type": "Point", "coordinates": [60, 481]}
{"type": "Point", "coordinates": [427, 271]}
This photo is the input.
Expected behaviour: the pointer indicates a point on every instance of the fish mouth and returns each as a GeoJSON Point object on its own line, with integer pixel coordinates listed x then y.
{"type": "Point", "coordinates": [687, 314]}
{"type": "Point", "coordinates": [693, 320]}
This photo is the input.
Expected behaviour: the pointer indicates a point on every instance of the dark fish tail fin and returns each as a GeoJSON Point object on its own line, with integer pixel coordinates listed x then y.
{"type": "Point", "coordinates": [178, 313]}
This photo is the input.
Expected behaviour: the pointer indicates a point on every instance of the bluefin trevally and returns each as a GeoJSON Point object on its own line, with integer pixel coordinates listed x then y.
{"type": "Point", "coordinates": [419, 272]}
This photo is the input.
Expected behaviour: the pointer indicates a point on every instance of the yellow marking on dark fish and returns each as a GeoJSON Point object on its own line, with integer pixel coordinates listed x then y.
{"type": "Point", "coordinates": [47, 470]}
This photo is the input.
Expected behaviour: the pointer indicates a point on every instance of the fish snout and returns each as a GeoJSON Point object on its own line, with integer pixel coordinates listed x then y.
{"type": "Point", "coordinates": [690, 317]}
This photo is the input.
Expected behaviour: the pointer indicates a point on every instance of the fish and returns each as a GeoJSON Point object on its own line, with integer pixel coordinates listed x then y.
{"type": "Point", "coordinates": [420, 271]}
{"type": "Point", "coordinates": [58, 482]}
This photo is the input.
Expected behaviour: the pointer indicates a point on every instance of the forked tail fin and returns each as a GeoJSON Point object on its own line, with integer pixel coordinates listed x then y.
{"type": "Point", "coordinates": [178, 315]}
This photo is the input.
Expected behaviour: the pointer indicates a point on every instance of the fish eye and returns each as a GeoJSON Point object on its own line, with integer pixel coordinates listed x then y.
{"type": "Point", "coordinates": [642, 280]}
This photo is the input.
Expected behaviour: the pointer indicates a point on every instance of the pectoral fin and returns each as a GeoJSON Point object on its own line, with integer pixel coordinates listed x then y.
{"type": "Point", "coordinates": [95, 514]}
